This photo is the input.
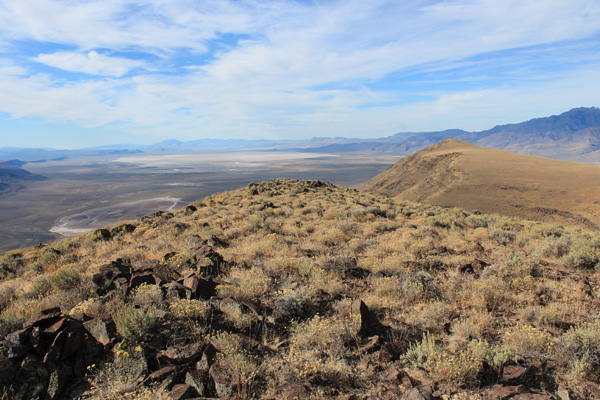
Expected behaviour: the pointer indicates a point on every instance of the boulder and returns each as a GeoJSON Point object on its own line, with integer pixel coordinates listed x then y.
{"type": "Point", "coordinates": [182, 392]}
{"type": "Point", "coordinates": [97, 328]}
{"type": "Point", "coordinates": [143, 277]}
{"type": "Point", "coordinates": [208, 358]}
{"type": "Point", "coordinates": [182, 354]}
{"type": "Point", "coordinates": [199, 380]}
{"type": "Point", "coordinates": [101, 234]}
{"type": "Point", "coordinates": [500, 392]}
{"type": "Point", "coordinates": [17, 343]}
{"type": "Point", "coordinates": [417, 393]}
{"type": "Point", "coordinates": [223, 384]}
{"type": "Point", "coordinates": [369, 324]}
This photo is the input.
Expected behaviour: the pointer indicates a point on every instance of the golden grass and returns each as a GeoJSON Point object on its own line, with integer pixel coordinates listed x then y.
{"type": "Point", "coordinates": [535, 297]}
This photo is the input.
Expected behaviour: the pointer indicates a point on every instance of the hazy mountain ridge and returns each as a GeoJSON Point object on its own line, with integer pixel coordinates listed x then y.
{"type": "Point", "coordinates": [12, 175]}
{"type": "Point", "coordinates": [573, 135]}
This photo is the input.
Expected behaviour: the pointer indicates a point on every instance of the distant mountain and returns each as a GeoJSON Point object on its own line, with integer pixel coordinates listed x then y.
{"type": "Point", "coordinates": [12, 176]}
{"type": "Point", "coordinates": [456, 173]}
{"type": "Point", "coordinates": [573, 135]}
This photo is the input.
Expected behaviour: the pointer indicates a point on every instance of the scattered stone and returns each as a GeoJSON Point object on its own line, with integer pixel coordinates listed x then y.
{"type": "Point", "coordinates": [592, 388]}
{"type": "Point", "coordinates": [182, 392]}
{"type": "Point", "coordinates": [372, 343]}
{"type": "Point", "coordinates": [222, 381]}
{"type": "Point", "coordinates": [140, 278]}
{"type": "Point", "coordinates": [532, 396]}
{"type": "Point", "coordinates": [512, 373]}
{"type": "Point", "coordinates": [356, 273]}
{"type": "Point", "coordinates": [417, 394]}
{"type": "Point", "coordinates": [161, 374]}
{"type": "Point", "coordinates": [182, 354]}
{"type": "Point", "coordinates": [97, 328]}
{"type": "Point", "coordinates": [563, 393]}
{"type": "Point", "coordinates": [500, 392]}
{"type": "Point", "coordinates": [56, 348]}
{"type": "Point", "coordinates": [208, 358]}
{"type": "Point", "coordinates": [369, 324]}
{"type": "Point", "coordinates": [17, 343]}
{"type": "Point", "coordinates": [59, 377]}
{"type": "Point", "coordinates": [198, 380]}
{"type": "Point", "coordinates": [392, 351]}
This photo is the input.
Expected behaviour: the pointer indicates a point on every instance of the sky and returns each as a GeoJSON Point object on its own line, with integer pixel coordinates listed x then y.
{"type": "Point", "coordinates": [96, 72]}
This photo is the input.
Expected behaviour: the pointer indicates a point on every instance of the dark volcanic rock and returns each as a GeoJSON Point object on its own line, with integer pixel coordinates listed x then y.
{"type": "Point", "coordinates": [17, 344]}
{"type": "Point", "coordinates": [182, 392]}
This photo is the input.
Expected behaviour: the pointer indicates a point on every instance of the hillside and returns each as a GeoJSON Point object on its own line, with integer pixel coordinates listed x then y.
{"type": "Point", "coordinates": [305, 290]}
{"type": "Point", "coordinates": [460, 174]}
{"type": "Point", "coordinates": [13, 176]}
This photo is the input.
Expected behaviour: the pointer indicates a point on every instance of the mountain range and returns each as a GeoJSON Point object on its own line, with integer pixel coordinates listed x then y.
{"type": "Point", "coordinates": [573, 135]}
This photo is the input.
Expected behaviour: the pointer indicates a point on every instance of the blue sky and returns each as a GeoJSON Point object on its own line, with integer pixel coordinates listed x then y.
{"type": "Point", "coordinates": [95, 72]}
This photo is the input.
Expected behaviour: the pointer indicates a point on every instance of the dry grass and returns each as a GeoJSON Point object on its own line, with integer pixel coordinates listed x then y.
{"type": "Point", "coordinates": [468, 287]}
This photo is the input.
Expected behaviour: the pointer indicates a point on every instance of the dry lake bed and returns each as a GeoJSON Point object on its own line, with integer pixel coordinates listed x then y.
{"type": "Point", "coordinates": [86, 193]}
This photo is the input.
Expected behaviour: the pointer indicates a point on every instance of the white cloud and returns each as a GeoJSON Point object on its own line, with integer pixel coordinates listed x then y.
{"type": "Point", "coordinates": [275, 68]}
{"type": "Point", "coordinates": [90, 63]}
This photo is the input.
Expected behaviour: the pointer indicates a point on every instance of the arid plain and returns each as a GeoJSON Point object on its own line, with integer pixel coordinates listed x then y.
{"type": "Point", "coordinates": [90, 192]}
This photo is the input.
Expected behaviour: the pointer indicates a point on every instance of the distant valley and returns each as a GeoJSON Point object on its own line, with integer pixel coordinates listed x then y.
{"type": "Point", "coordinates": [41, 189]}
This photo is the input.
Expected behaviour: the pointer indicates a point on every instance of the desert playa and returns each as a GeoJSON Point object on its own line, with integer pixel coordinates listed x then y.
{"type": "Point", "coordinates": [77, 224]}
{"type": "Point", "coordinates": [229, 160]}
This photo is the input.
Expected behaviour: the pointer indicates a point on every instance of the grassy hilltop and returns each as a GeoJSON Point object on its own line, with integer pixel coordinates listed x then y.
{"type": "Point", "coordinates": [460, 174]}
{"type": "Point", "coordinates": [301, 289]}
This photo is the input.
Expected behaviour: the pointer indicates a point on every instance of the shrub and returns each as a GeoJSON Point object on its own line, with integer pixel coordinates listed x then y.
{"type": "Point", "coordinates": [444, 366]}
{"type": "Point", "coordinates": [247, 284]}
{"type": "Point", "coordinates": [233, 314]}
{"type": "Point", "coordinates": [183, 308]}
{"type": "Point", "coordinates": [65, 279]}
{"type": "Point", "coordinates": [91, 307]}
{"type": "Point", "coordinates": [241, 366]}
{"type": "Point", "coordinates": [120, 379]}
{"type": "Point", "coordinates": [578, 350]}
{"type": "Point", "coordinates": [528, 343]}
{"type": "Point", "coordinates": [292, 305]}
{"type": "Point", "coordinates": [147, 295]}
{"type": "Point", "coordinates": [584, 257]}
{"type": "Point", "coordinates": [134, 323]}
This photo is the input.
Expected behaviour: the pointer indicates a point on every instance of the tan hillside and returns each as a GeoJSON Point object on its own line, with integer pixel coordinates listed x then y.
{"type": "Point", "coordinates": [460, 174]}
{"type": "Point", "coordinates": [305, 290]}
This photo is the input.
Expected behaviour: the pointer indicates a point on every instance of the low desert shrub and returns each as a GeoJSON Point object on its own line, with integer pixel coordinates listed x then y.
{"type": "Point", "coordinates": [453, 368]}
{"type": "Point", "coordinates": [65, 279]}
{"type": "Point", "coordinates": [584, 257]}
{"type": "Point", "coordinates": [578, 351]}
{"type": "Point", "coordinates": [246, 284]}
{"type": "Point", "coordinates": [234, 315]}
{"type": "Point", "coordinates": [91, 307]}
{"type": "Point", "coordinates": [147, 296]}
{"type": "Point", "coordinates": [290, 305]}
{"type": "Point", "coordinates": [528, 343]}
{"type": "Point", "coordinates": [238, 364]}
{"type": "Point", "coordinates": [120, 379]}
{"type": "Point", "coordinates": [183, 308]}
{"type": "Point", "coordinates": [134, 323]}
